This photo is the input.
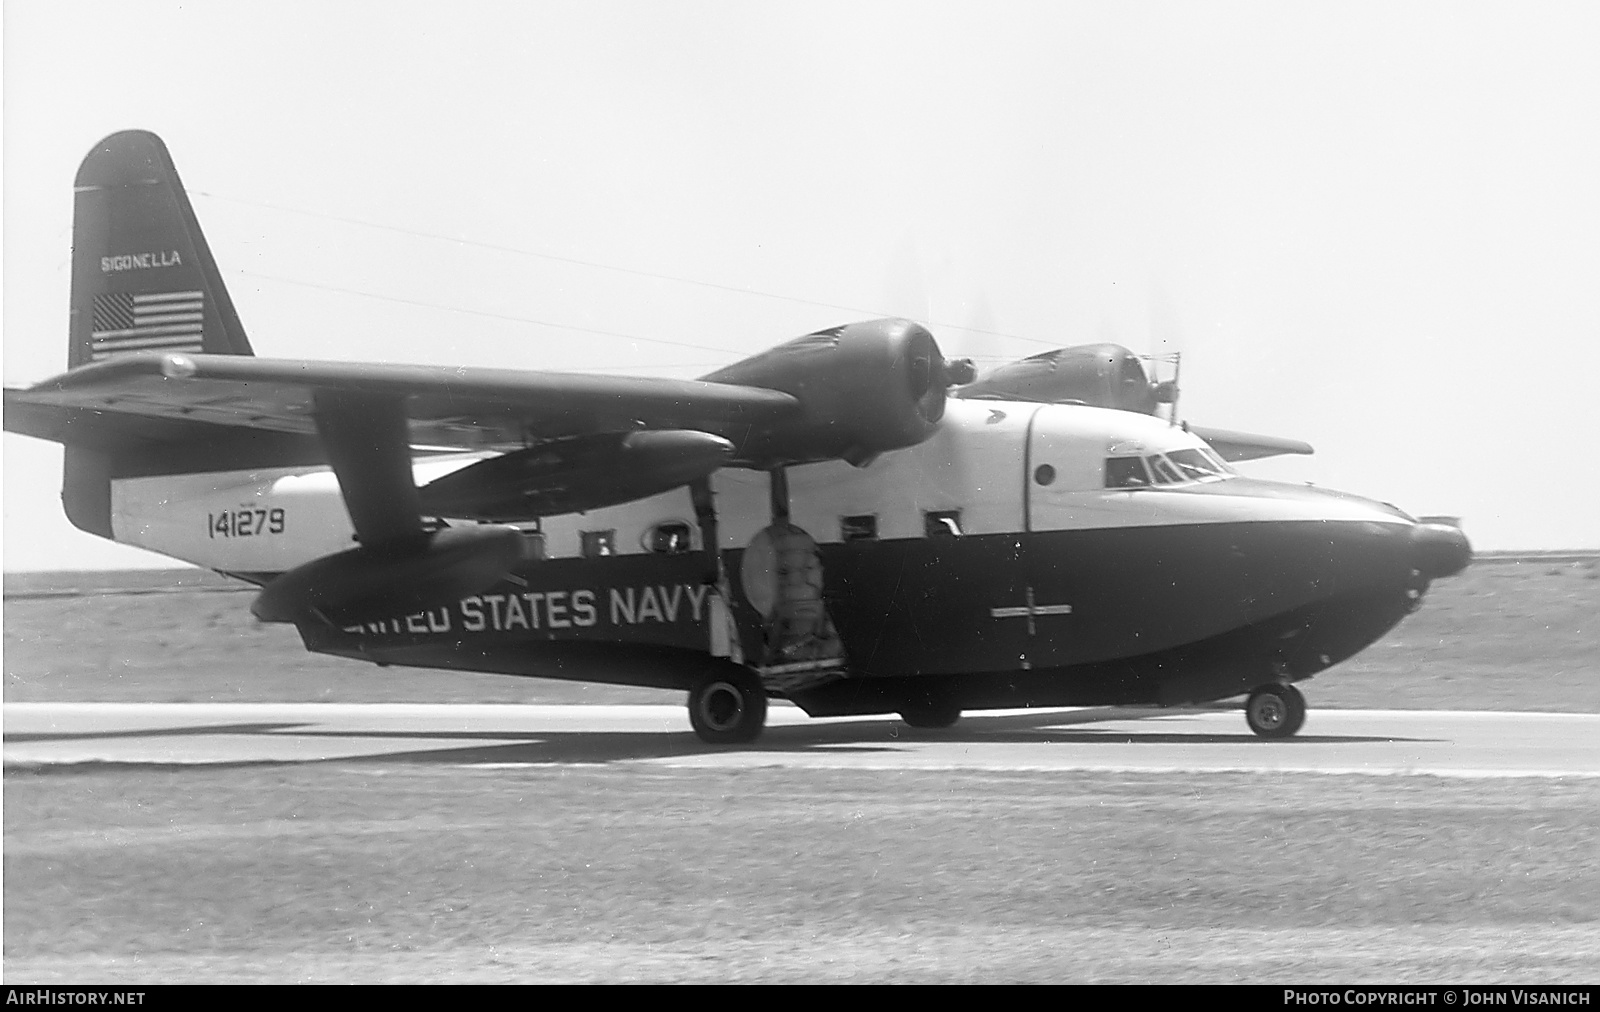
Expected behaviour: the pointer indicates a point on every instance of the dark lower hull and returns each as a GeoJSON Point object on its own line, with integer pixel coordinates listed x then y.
{"type": "Point", "coordinates": [1288, 647]}
{"type": "Point", "coordinates": [1136, 616]}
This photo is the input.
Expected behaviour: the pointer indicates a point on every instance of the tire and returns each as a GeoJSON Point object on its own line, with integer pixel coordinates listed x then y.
{"type": "Point", "coordinates": [1275, 711]}
{"type": "Point", "coordinates": [933, 714]}
{"type": "Point", "coordinates": [728, 707]}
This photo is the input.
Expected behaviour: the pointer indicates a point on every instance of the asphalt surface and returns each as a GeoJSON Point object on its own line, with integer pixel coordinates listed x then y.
{"type": "Point", "coordinates": [1376, 742]}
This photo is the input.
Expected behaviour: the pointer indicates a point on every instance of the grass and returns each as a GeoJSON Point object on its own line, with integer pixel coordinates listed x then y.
{"type": "Point", "coordinates": [1499, 636]}
{"type": "Point", "coordinates": [1504, 636]}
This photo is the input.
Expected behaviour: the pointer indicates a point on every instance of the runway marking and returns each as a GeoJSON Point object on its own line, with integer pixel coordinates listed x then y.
{"type": "Point", "coordinates": [1458, 744]}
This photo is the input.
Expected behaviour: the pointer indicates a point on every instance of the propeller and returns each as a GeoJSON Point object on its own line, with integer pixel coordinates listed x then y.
{"type": "Point", "coordinates": [907, 292]}
{"type": "Point", "coordinates": [1166, 335]}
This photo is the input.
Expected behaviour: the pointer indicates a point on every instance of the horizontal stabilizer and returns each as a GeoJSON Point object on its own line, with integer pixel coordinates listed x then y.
{"type": "Point", "coordinates": [1235, 446]}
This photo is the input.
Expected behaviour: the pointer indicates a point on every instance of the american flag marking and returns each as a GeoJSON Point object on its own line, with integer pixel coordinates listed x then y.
{"type": "Point", "coordinates": [165, 321]}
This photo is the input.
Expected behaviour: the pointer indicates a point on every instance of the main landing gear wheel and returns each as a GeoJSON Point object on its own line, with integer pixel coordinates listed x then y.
{"type": "Point", "coordinates": [728, 707]}
{"type": "Point", "coordinates": [931, 715]}
{"type": "Point", "coordinates": [1275, 711]}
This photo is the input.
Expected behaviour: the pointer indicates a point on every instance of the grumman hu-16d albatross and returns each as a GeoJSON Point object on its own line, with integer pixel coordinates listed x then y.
{"type": "Point", "coordinates": [847, 520]}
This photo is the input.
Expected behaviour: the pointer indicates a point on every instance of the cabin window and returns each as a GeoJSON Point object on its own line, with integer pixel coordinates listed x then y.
{"type": "Point", "coordinates": [1126, 472]}
{"type": "Point", "coordinates": [1165, 473]}
{"type": "Point", "coordinates": [859, 528]}
{"type": "Point", "coordinates": [672, 538]}
{"type": "Point", "coordinates": [941, 523]}
{"type": "Point", "coordinates": [1044, 474]}
{"type": "Point", "coordinates": [598, 543]}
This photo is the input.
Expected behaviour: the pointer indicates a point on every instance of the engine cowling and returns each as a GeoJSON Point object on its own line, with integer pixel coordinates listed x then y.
{"type": "Point", "coordinates": [1102, 375]}
{"type": "Point", "coordinates": [864, 389]}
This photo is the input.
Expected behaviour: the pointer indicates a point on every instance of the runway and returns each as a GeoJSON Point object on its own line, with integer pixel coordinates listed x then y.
{"type": "Point", "coordinates": [1373, 742]}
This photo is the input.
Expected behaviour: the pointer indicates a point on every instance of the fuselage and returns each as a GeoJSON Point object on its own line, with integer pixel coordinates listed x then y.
{"type": "Point", "coordinates": [1026, 554]}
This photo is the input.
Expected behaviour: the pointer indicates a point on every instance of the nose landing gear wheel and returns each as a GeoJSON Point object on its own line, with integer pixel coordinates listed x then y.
{"type": "Point", "coordinates": [1275, 711]}
{"type": "Point", "coordinates": [728, 707]}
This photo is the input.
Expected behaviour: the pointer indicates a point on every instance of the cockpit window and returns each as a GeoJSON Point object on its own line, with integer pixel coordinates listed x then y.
{"type": "Point", "coordinates": [1196, 464]}
{"type": "Point", "coordinates": [1164, 472]}
{"type": "Point", "coordinates": [1126, 472]}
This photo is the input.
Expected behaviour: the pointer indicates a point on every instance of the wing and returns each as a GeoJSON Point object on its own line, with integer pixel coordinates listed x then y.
{"type": "Point", "coordinates": [226, 412]}
{"type": "Point", "coordinates": [456, 407]}
{"type": "Point", "coordinates": [1246, 446]}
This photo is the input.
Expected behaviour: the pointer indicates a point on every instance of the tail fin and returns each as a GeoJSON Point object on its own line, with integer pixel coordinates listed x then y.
{"type": "Point", "coordinates": [143, 278]}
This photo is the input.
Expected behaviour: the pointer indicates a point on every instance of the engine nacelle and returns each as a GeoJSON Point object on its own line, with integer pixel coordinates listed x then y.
{"type": "Point", "coordinates": [367, 584]}
{"type": "Point", "coordinates": [864, 389]}
{"type": "Point", "coordinates": [578, 473]}
{"type": "Point", "coordinates": [1102, 375]}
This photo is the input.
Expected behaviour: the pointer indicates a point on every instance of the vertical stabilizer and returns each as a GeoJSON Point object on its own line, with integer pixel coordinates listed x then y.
{"type": "Point", "coordinates": [143, 278]}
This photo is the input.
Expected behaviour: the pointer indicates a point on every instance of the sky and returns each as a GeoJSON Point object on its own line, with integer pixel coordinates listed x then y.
{"type": "Point", "coordinates": [1375, 227]}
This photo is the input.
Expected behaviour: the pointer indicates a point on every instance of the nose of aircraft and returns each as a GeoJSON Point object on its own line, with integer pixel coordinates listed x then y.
{"type": "Point", "coordinates": [1439, 550]}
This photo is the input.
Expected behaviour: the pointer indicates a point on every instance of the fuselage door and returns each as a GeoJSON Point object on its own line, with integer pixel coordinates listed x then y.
{"type": "Point", "coordinates": [1062, 471]}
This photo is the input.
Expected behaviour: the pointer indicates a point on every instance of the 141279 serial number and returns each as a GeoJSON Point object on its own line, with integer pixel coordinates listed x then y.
{"type": "Point", "coordinates": [246, 523]}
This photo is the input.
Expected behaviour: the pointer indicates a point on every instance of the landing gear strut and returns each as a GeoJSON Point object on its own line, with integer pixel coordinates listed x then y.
{"type": "Point", "coordinates": [728, 706]}
{"type": "Point", "coordinates": [1275, 711]}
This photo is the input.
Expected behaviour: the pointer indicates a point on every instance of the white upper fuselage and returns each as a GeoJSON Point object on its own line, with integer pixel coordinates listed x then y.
{"type": "Point", "coordinates": [993, 467]}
